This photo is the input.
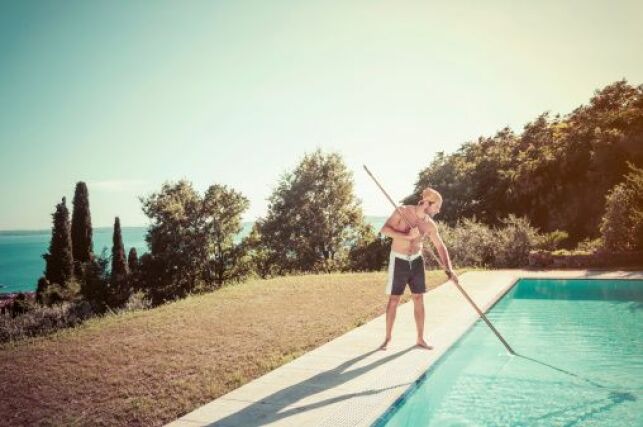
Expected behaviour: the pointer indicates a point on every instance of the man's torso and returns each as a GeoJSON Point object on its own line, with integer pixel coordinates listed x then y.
{"type": "Point", "coordinates": [409, 246]}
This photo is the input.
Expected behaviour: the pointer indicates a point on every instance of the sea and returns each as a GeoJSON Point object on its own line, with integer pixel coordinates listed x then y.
{"type": "Point", "coordinates": [21, 261]}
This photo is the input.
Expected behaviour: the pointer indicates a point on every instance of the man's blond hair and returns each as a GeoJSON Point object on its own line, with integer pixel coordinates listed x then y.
{"type": "Point", "coordinates": [431, 195]}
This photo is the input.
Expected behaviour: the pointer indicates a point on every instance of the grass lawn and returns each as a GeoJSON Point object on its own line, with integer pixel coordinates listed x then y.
{"type": "Point", "coordinates": [149, 367]}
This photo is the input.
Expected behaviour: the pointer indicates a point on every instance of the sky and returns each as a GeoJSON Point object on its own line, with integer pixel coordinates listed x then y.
{"type": "Point", "coordinates": [127, 95]}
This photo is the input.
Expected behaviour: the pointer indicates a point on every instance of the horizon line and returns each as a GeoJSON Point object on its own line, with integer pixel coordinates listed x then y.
{"type": "Point", "coordinates": [25, 230]}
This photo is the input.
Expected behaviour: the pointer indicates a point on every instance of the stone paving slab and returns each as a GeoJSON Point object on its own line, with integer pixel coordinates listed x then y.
{"type": "Point", "coordinates": [347, 381]}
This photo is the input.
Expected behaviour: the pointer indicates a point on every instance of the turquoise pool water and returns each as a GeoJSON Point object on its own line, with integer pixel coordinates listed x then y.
{"type": "Point", "coordinates": [581, 363]}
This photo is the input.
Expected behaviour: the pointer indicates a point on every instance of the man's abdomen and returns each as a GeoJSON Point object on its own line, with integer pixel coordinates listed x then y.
{"type": "Point", "coordinates": [406, 247]}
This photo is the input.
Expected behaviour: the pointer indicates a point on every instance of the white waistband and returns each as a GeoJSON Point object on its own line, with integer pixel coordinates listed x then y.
{"type": "Point", "coordinates": [406, 256]}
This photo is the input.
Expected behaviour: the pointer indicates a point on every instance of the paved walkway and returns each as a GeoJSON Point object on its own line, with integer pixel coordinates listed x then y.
{"type": "Point", "coordinates": [348, 382]}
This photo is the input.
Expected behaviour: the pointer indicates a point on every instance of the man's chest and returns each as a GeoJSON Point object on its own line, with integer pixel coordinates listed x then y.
{"type": "Point", "coordinates": [409, 220]}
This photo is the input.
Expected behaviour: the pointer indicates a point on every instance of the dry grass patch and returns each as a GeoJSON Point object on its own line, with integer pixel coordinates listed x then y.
{"type": "Point", "coordinates": [150, 367]}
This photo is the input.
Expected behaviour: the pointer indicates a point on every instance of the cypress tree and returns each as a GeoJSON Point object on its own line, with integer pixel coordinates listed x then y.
{"type": "Point", "coordinates": [119, 283]}
{"type": "Point", "coordinates": [81, 225]}
{"type": "Point", "coordinates": [59, 266]}
{"type": "Point", "coordinates": [132, 260]}
{"type": "Point", "coordinates": [119, 264]}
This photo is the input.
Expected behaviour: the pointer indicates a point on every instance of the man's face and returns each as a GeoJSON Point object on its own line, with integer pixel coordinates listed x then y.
{"type": "Point", "coordinates": [428, 208]}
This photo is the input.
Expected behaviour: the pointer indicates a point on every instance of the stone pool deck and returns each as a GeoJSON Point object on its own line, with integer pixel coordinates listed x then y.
{"type": "Point", "coordinates": [347, 381]}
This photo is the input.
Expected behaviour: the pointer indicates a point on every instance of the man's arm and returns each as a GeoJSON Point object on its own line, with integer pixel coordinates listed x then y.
{"type": "Point", "coordinates": [388, 230]}
{"type": "Point", "coordinates": [443, 253]}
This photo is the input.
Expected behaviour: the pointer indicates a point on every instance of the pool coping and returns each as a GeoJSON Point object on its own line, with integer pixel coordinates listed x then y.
{"type": "Point", "coordinates": [347, 381]}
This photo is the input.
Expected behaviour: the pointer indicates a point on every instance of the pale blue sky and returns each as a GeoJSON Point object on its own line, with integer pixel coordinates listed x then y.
{"type": "Point", "coordinates": [128, 94]}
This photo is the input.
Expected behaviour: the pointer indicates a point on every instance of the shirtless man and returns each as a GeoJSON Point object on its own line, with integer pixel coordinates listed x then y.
{"type": "Point", "coordinates": [406, 264]}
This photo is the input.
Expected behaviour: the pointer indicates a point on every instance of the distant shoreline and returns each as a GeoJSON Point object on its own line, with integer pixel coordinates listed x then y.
{"type": "Point", "coordinates": [48, 230]}
{"type": "Point", "coordinates": [28, 232]}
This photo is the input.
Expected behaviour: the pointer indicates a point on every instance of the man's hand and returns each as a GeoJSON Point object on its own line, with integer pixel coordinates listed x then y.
{"type": "Point", "coordinates": [413, 233]}
{"type": "Point", "coordinates": [452, 276]}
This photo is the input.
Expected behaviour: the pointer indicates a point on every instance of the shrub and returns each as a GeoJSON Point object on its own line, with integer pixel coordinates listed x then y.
{"type": "Point", "coordinates": [21, 304]}
{"type": "Point", "coordinates": [474, 244]}
{"type": "Point", "coordinates": [540, 258]}
{"type": "Point", "coordinates": [514, 241]}
{"type": "Point", "coordinates": [470, 243]}
{"type": "Point", "coordinates": [138, 301]}
{"type": "Point", "coordinates": [551, 241]}
{"type": "Point", "coordinates": [41, 320]}
{"type": "Point", "coordinates": [56, 294]}
{"type": "Point", "coordinates": [588, 245]}
{"type": "Point", "coordinates": [573, 252]}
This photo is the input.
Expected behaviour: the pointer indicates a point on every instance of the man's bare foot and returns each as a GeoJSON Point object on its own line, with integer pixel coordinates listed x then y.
{"type": "Point", "coordinates": [385, 344]}
{"type": "Point", "coordinates": [421, 343]}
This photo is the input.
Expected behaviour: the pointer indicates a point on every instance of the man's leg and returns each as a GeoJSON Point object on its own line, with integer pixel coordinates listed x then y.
{"type": "Point", "coordinates": [391, 310]}
{"type": "Point", "coordinates": [418, 312]}
{"type": "Point", "coordinates": [418, 288]}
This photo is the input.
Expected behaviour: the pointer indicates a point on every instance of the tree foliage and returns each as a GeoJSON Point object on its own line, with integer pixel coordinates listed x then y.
{"type": "Point", "coordinates": [622, 223]}
{"type": "Point", "coordinates": [472, 243]}
{"type": "Point", "coordinates": [258, 257]}
{"type": "Point", "coordinates": [190, 239]}
{"type": "Point", "coordinates": [81, 225]}
{"type": "Point", "coordinates": [313, 216]}
{"type": "Point", "coordinates": [95, 287]}
{"type": "Point", "coordinates": [222, 208]}
{"type": "Point", "coordinates": [119, 263]}
{"type": "Point", "coordinates": [119, 284]}
{"type": "Point", "coordinates": [556, 172]}
{"type": "Point", "coordinates": [132, 260]}
{"type": "Point", "coordinates": [370, 252]}
{"type": "Point", "coordinates": [59, 267]}
{"type": "Point", "coordinates": [178, 246]}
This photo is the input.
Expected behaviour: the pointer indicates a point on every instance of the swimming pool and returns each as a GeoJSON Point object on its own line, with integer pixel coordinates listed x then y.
{"type": "Point", "coordinates": [580, 363]}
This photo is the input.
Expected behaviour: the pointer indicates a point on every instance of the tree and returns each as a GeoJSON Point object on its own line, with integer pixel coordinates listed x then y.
{"type": "Point", "coordinates": [177, 263]}
{"type": "Point", "coordinates": [370, 252]}
{"type": "Point", "coordinates": [593, 146]}
{"type": "Point", "coordinates": [260, 259]}
{"type": "Point", "coordinates": [81, 226]}
{"type": "Point", "coordinates": [556, 172]}
{"type": "Point", "coordinates": [133, 265]}
{"type": "Point", "coordinates": [191, 240]}
{"type": "Point", "coordinates": [474, 180]}
{"type": "Point", "coordinates": [152, 279]}
{"type": "Point", "coordinates": [132, 260]}
{"type": "Point", "coordinates": [96, 281]}
{"type": "Point", "coordinates": [313, 215]}
{"type": "Point", "coordinates": [222, 209]}
{"type": "Point", "coordinates": [622, 224]}
{"type": "Point", "coordinates": [59, 267]}
{"type": "Point", "coordinates": [119, 264]}
{"type": "Point", "coordinates": [120, 288]}
{"type": "Point", "coordinates": [635, 182]}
